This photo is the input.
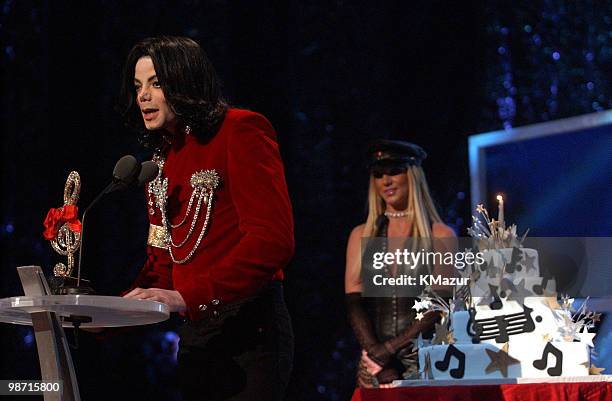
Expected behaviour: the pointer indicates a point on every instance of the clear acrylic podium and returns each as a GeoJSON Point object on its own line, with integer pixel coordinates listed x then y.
{"type": "Point", "coordinates": [48, 314]}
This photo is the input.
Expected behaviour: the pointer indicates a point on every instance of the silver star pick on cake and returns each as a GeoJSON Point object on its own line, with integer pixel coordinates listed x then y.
{"type": "Point", "coordinates": [585, 337]}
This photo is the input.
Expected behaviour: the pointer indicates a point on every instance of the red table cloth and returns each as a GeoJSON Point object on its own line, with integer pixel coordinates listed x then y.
{"type": "Point", "coordinates": [581, 391]}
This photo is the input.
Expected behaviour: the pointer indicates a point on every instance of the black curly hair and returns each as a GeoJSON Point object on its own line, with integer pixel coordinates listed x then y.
{"type": "Point", "coordinates": [189, 82]}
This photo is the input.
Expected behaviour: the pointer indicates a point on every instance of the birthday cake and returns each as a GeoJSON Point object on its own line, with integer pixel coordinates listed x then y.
{"type": "Point", "coordinates": [507, 322]}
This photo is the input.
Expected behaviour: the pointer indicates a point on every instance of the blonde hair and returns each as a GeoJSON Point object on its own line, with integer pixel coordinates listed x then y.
{"type": "Point", "coordinates": [421, 209]}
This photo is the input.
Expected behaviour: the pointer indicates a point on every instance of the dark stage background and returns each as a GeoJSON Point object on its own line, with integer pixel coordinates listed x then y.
{"type": "Point", "coordinates": [330, 76]}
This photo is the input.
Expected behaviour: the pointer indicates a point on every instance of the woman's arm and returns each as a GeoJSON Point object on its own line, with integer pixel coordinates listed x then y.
{"type": "Point", "coordinates": [352, 273]}
{"type": "Point", "coordinates": [358, 318]}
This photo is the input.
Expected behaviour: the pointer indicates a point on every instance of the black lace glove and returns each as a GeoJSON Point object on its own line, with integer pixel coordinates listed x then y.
{"type": "Point", "coordinates": [360, 321]}
{"type": "Point", "coordinates": [387, 375]}
{"type": "Point", "coordinates": [383, 353]}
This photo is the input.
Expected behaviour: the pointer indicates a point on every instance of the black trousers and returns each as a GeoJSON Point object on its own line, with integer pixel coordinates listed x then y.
{"type": "Point", "coordinates": [243, 354]}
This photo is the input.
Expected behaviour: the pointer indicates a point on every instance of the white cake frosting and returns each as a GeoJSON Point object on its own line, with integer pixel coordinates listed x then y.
{"type": "Point", "coordinates": [526, 326]}
{"type": "Point", "coordinates": [575, 360]}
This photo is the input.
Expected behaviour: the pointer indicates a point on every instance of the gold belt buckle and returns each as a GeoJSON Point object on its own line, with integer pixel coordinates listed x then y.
{"type": "Point", "coordinates": [157, 235]}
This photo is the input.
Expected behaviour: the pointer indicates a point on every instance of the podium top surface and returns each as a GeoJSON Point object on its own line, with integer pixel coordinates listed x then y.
{"type": "Point", "coordinates": [104, 311]}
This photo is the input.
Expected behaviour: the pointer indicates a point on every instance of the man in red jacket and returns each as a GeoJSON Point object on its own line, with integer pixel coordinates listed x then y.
{"type": "Point", "coordinates": [221, 227]}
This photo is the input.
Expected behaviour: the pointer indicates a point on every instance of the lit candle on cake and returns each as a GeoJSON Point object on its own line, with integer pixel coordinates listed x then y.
{"type": "Point", "coordinates": [500, 215]}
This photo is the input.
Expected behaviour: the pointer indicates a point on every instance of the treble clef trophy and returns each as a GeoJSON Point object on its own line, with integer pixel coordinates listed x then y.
{"type": "Point", "coordinates": [63, 229]}
{"type": "Point", "coordinates": [67, 302]}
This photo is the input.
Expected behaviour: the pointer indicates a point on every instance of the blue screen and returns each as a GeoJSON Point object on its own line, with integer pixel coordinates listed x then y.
{"type": "Point", "coordinates": [556, 185]}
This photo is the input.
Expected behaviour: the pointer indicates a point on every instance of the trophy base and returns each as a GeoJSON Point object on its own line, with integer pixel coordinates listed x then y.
{"type": "Point", "coordinates": [68, 286]}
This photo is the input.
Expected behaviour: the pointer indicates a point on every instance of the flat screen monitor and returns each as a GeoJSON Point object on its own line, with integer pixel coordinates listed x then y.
{"type": "Point", "coordinates": [555, 177]}
{"type": "Point", "coordinates": [556, 180]}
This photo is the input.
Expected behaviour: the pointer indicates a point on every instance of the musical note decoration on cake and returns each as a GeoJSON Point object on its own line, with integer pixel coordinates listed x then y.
{"type": "Point", "coordinates": [514, 264]}
{"type": "Point", "coordinates": [510, 303]}
{"type": "Point", "coordinates": [544, 288]}
{"type": "Point", "coordinates": [542, 363]}
{"type": "Point", "coordinates": [500, 327]}
{"type": "Point", "coordinates": [452, 352]}
{"type": "Point", "coordinates": [492, 298]}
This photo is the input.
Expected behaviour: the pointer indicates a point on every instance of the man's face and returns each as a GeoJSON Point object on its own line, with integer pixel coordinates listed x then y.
{"type": "Point", "coordinates": [155, 110]}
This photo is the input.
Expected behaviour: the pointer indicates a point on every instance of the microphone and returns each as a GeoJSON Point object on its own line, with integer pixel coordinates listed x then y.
{"type": "Point", "coordinates": [126, 173]}
{"type": "Point", "coordinates": [148, 171]}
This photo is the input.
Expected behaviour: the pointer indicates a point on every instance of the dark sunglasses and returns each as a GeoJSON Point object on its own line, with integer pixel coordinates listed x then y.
{"type": "Point", "coordinates": [379, 171]}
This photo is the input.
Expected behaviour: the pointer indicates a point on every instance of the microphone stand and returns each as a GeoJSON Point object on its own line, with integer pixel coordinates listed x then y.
{"type": "Point", "coordinates": [126, 174]}
{"type": "Point", "coordinates": [106, 190]}
{"type": "Point", "coordinates": [64, 289]}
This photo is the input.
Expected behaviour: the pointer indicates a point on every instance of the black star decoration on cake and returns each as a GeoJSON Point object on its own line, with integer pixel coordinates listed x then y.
{"type": "Point", "coordinates": [529, 262]}
{"type": "Point", "coordinates": [500, 360]}
{"type": "Point", "coordinates": [519, 293]}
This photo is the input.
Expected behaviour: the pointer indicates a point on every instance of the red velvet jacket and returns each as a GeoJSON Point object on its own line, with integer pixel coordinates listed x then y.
{"type": "Point", "coordinates": [250, 236]}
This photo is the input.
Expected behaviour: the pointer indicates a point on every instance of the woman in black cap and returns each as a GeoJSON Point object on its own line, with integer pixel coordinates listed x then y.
{"type": "Point", "coordinates": [399, 205]}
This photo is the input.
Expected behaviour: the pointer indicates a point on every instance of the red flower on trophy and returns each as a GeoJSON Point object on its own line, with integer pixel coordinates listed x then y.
{"type": "Point", "coordinates": [56, 218]}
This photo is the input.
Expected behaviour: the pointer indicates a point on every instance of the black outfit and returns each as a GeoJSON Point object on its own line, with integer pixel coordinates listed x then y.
{"type": "Point", "coordinates": [248, 345]}
{"type": "Point", "coordinates": [385, 327]}
{"type": "Point", "coordinates": [391, 316]}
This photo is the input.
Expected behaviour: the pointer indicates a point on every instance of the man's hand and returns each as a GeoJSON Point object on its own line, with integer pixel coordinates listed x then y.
{"type": "Point", "coordinates": [173, 299]}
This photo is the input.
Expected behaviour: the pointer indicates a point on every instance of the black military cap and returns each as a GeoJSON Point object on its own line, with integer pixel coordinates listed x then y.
{"type": "Point", "coordinates": [392, 152]}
